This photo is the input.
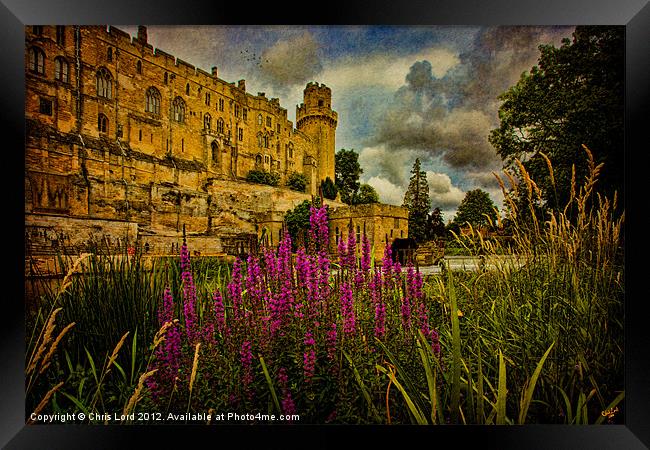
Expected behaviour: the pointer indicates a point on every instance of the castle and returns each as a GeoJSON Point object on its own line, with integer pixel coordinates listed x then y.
{"type": "Point", "coordinates": [126, 140]}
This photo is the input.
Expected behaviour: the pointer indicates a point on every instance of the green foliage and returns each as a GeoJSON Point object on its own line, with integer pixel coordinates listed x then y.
{"type": "Point", "coordinates": [347, 173]}
{"type": "Point", "coordinates": [477, 209]}
{"type": "Point", "coordinates": [297, 221]}
{"type": "Point", "coordinates": [263, 177]}
{"type": "Point", "coordinates": [436, 224]}
{"type": "Point", "coordinates": [367, 194]}
{"type": "Point", "coordinates": [329, 189]}
{"type": "Point", "coordinates": [573, 97]}
{"type": "Point", "coordinates": [296, 182]}
{"type": "Point", "coordinates": [417, 201]}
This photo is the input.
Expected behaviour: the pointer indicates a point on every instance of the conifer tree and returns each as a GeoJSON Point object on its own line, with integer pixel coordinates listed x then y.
{"type": "Point", "coordinates": [417, 201]}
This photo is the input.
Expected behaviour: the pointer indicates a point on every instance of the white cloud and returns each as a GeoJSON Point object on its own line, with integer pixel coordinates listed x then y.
{"type": "Point", "coordinates": [384, 70]}
{"type": "Point", "coordinates": [388, 192]}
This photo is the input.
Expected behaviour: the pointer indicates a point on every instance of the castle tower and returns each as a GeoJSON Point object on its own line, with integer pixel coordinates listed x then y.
{"type": "Point", "coordinates": [316, 119]}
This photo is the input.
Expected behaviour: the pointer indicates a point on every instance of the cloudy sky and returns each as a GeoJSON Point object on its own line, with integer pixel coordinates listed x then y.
{"type": "Point", "coordinates": [401, 93]}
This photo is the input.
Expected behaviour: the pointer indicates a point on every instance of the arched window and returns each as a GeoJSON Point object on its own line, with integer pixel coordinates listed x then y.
{"type": "Point", "coordinates": [266, 141]}
{"type": "Point", "coordinates": [219, 125]}
{"type": "Point", "coordinates": [215, 151]}
{"type": "Point", "coordinates": [109, 54]}
{"type": "Point", "coordinates": [187, 89]}
{"type": "Point", "coordinates": [290, 150]}
{"type": "Point", "coordinates": [138, 66]}
{"type": "Point", "coordinates": [207, 121]}
{"type": "Point", "coordinates": [179, 110]}
{"type": "Point", "coordinates": [153, 101]}
{"type": "Point", "coordinates": [259, 119]}
{"type": "Point", "coordinates": [104, 83]}
{"type": "Point", "coordinates": [259, 139]}
{"type": "Point", "coordinates": [267, 159]}
{"type": "Point", "coordinates": [102, 123]}
{"type": "Point", "coordinates": [258, 160]}
{"type": "Point", "coordinates": [61, 69]}
{"type": "Point", "coordinates": [166, 77]}
{"type": "Point", "coordinates": [36, 60]}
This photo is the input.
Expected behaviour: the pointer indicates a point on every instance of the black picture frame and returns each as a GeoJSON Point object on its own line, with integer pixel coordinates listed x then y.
{"type": "Point", "coordinates": [15, 14]}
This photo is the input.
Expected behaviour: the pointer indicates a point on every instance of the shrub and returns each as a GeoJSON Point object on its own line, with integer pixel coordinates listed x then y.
{"type": "Point", "coordinates": [296, 182]}
{"type": "Point", "coordinates": [263, 177]}
{"type": "Point", "coordinates": [329, 189]}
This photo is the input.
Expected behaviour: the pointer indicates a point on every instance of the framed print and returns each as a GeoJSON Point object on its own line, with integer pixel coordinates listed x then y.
{"type": "Point", "coordinates": [433, 243]}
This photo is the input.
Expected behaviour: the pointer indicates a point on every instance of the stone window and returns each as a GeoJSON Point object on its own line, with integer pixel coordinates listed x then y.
{"type": "Point", "coordinates": [138, 67]}
{"type": "Point", "coordinates": [61, 69]}
{"type": "Point", "coordinates": [320, 103]}
{"type": "Point", "coordinates": [179, 110]}
{"type": "Point", "coordinates": [207, 121]}
{"type": "Point", "coordinates": [45, 106]}
{"type": "Point", "coordinates": [215, 151]}
{"type": "Point", "coordinates": [267, 159]}
{"type": "Point", "coordinates": [37, 30]}
{"type": "Point", "coordinates": [166, 77]}
{"type": "Point", "coordinates": [258, 160]}
{"type": "Point", "coordinates": [245, 114]}
{"type": "Point", "coordinates": [60, 35]}
{"type": "Point", "coordinates": [36, 60]}
{"type": "Point", "coordinates": [259, 119]}
{"type": "Point", "coordinates": [240, 134]}
{"type": "Point", "coordinates": [221, 104]}
{"type": "Point", "coordinates": [259, 139]}
{"type": "Point", "coordinates": [278, 128]}
{"type": "Point", "coordinates": [236, 110]}
{"type": "Point", "coordinates": [290, 150]}
{"type": "Point", "coordinates": [337, 235]}
{"type": "Point", "coordinates": [153, 101]}
{"type": "Point", "coordinates": [140, 135]}
{"type": "Point", "coordinates": [219, 125]}
{"type": "Point", "coordinates": [207, 98]}
{"type": "Point", "coordinates": [268, 121]}
{"type": "Point", "coordinates": [396, 224]}
{"type": "Point", "coordinates": [266, 141]}
{"type": "Point", "coordinates": [104, 83]}
{"type": "Point", "coordinates": [109, 54]}
{"type": "Point", "coordinates": [102, 123]}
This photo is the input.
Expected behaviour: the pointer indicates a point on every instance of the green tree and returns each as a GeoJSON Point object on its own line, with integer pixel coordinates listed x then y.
{"type": "Point", "coordinates": [436, 224]}
{"type": "Point", "coordinates": [418, 203]}
{"type": "Point", "coordinates": [574, 96]}
{"type": "Point", "coordinates": [475, 209]}
{"type": "Point", "coordinates": [347, 173]}
{"type": "Point", "coordinates": [297, 221]}
{"type": "Point", "coordinates": [297, 182]}
{"type": "Point", "coordinates": [367, 194]}
{"type": "Point", "coordinates": [329, 189]}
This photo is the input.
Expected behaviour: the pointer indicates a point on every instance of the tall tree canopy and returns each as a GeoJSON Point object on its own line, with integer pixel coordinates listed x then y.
{"type": "Point", "coordinates": [366, 194]}
{"type": "Point", "coordinates": [417, 201]}
{"type": "Point", "coordinates": [475, 209]}
{"type": "Point", "coordinates": [574, 96]}
{"type": "Point", "coordinates": [347, 171]}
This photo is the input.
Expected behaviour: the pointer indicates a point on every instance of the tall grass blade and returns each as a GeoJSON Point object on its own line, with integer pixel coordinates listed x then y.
{"type": "Point", "coordinates": [417, 413]}
{"type": "Point", "coordinates": [270, 384]}
{"type": "Point", "coordinates": [502, 392]}
{"type": "Point", "coordinates": [455, 342]}
{"type": "Point", "coordinates": [529, 388]}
